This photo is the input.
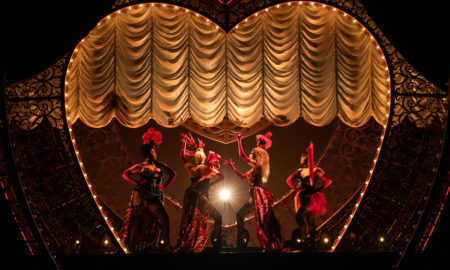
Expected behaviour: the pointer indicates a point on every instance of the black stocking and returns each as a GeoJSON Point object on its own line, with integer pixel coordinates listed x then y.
{"type": "Point", "coordinates": [240, 215]}
{"type": "Point", "coordinates": [157, 209]}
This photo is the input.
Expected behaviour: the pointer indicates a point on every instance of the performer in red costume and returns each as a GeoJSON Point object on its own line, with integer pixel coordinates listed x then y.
{"type": "Point", "coordinates": [310, 202]}
{"type": "Point", "coordinates": [147, 223]}
{"type": "Point", "coordinates": [193, 234]}
{"type": "Point", "coordinates": [267, 226]}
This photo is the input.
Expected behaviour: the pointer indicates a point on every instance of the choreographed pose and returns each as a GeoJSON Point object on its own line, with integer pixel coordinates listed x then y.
{"type": "Point", "coordinates": [261, 199]}
{"type": "Point", "coordinates": [310, 202]}
{"type": "Point", "coordinates": [147, 223]}
{"type": "Point", "coordinates": [197, 208]}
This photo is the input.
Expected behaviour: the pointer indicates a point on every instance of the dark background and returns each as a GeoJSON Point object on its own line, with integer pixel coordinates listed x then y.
{"type": "Point", "coordinates": [37, 33]}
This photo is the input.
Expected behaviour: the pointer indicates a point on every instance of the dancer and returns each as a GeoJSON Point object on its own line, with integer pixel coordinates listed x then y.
{"type": "Point", "coordinates": [147, 220]}
{"type": "Point", "coordinates": [310, 202]}
{"type": "Point", "coordinates": [267, 226]}
{"type": "Point", "coordinates": [193, 234]}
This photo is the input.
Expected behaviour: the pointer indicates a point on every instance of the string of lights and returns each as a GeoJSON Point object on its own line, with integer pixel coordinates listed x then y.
{"type": "Point", "coordinates": [225, 194]}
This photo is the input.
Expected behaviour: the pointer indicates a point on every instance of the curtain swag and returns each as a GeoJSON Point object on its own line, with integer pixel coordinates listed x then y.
{"type": "Point", "coordinates": [169, 65]}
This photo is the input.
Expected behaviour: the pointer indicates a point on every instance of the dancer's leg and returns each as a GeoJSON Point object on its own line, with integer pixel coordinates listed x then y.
{"type": "Point", "coordinates": [216, 236]}
{"type": "Point", "coordinates": [240, 215]}
{"type": "Point", "coordinates": [156, 208]}
{"type": "Point", "coordinates": [135, 225]}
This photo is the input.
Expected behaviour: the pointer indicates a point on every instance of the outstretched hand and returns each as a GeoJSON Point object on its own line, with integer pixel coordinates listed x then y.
{"type": "Point", "coordinates": [229, 163]}
{"type": "Point", "coordinates": [183, 137]}
{"type": "Point", "coordinates": [238, 135]}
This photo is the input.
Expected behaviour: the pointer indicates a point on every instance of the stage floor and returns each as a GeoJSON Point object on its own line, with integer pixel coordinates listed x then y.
{"type": "Point", "coordinates": [249, 258]}
{"type": "Point", "coordinates": [232, 258]}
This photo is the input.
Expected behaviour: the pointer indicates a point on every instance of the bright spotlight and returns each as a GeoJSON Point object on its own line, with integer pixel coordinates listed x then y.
{"type": "Point", "coordinates": [224, 194]}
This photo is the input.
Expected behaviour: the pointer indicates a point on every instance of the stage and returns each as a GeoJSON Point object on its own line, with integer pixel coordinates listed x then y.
{"type": "Point", "coordinates": [328, 74]}
{"type": "Point", "coordinates": [239, 259]}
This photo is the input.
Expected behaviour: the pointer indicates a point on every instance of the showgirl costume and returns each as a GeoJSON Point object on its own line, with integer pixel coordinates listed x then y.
{"type": "Point", "coordinates": [145, 228]}
{"type": "Point", "coordinates": [193, 235]}
{"type": "Point", "coordinates": [267, 227]}
{"type": "Point", "coordinates": [309, 200]}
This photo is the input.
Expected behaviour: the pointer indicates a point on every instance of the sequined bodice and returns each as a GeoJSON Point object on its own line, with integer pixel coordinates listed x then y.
{"type": "Point", "coordinates": [149, 189]}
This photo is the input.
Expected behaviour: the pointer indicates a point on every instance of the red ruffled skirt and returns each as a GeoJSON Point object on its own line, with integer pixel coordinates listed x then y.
{"type": "Point", "coordinates": [193, 234]}
{"type": "Point", "coordinates": [317, 201]}
{"type": "Point", "coordinates": [267, 227]}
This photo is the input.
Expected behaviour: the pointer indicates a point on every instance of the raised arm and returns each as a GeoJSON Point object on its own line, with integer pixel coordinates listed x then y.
{"type": "Point", "coordinates": [230, 164]}
{"type": "Point", "coordinates": [183, 151]}
{"type": "Point", "coordinates": [128, 172]}
{"type": "Point", "coordinates": [241, 149]}
{"type": "Point", "coordinates": [187, 165]}
{"type": "Point", "coordinates": [291, 178]}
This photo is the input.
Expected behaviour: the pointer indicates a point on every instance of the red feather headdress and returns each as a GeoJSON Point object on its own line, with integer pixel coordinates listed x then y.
{"type": "Point", "coordinates": [213, 160]}
{"type": "Point", "coordinates": [152, 136]}
{"type": "Point", "coordinates": [190, 141]}
{"type": "Point", "coordinates": [264, 141]}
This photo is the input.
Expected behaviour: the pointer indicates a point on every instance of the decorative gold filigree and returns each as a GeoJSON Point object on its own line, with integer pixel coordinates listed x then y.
{"type": "Point", "coordinates": [46, 84]}
{"type": "Point", "coordinates": [30, 113]}
{"type": "Point", "coordinates": [39, 97]}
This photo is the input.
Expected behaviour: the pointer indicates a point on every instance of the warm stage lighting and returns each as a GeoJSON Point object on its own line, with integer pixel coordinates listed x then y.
{"type": "Point", "coordinates": [224, 194]}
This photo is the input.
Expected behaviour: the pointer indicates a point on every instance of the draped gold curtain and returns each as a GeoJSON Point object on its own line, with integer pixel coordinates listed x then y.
{"type": "Point", "coordinates": [166, 64]}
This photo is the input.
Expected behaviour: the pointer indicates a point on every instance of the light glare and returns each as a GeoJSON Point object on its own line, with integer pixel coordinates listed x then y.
{"type": "Point", "coordinates": [224, 194]}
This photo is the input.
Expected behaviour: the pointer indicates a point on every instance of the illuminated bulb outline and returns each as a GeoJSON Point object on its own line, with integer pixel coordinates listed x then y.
{"type": "Point", "coordinates": [237, 26]}
{"type": "Point", "coordinates": [86, 177]}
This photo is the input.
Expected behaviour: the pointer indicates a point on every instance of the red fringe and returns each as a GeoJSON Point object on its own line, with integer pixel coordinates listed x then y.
{"type": "Point", "coordinates": [126, 227]}
{"type": "Point", "coordinates": [268, 229]}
